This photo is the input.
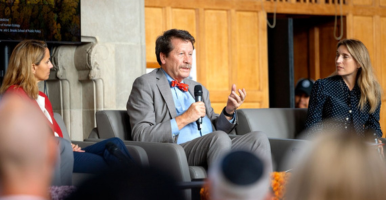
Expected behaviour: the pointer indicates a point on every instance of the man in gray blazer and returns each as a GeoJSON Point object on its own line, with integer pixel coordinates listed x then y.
{"type": "Point", "coordinates": [162, 108]}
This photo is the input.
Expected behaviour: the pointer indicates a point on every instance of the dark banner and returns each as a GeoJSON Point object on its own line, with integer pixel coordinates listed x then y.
{"type": "Point", "coordinates": [48, 20]}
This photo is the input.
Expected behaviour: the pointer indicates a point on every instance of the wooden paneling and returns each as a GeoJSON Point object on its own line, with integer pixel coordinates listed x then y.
{"type": "Point", "coordinates": [154, 26]}
{"type": "Point", "coordinates": [363, 2]}
{"type": "Point", "coordinates": [382, 56]}
{"type": "Point", "coordinates": [363, 30]}
{"type": "Point", "coordinates": [247, 56]}
{"type": "Point", "coordinates": [314, 55]}
{"type": "Point", "coordinates": [233, 45]}
{"type": "Point", "coordinates": [327, 50]}
{"type": "Point", "coordinates": [382, 65]}
{"type": "Point", "coordinates": [251, 105]}
{"type": "Point", "coordinates": [322, 7]}
{"type": "Point", "coordinates": [382, 2]}
{"type": "Point", "coordinates": [217, 50]}
{"type": "Point", "coordinates": [376, 57]}
{"type": "Point", "coordinates": [301, 61]}
{"type": "Point", "coordinates": [263, 60]}
{"type": "Point", "coordinates": [217, 107]}
{"type": "Point", "coordinates": [187, 22]}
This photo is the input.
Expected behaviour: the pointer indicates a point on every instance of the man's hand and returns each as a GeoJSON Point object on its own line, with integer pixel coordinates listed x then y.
{"type": "Point", "coordinates": [235, 100]}
{"type": "Point", "coordinates": [195, 111]}
{"type": "Point", "coordinates": [76, 148]}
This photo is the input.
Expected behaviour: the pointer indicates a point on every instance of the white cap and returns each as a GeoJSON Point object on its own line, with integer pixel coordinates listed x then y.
{"type": "Point", "coordinates": [240, 175]}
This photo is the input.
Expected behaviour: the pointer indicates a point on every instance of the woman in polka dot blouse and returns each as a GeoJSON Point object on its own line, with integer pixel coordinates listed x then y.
{"type": "Point", "coordinates": [351, 98]}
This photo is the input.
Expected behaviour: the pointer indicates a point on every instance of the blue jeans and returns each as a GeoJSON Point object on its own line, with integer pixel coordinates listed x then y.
{"type": "Point", "coordinates": [97, 158]}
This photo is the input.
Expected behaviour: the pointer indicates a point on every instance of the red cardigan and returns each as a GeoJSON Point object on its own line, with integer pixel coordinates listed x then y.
{"type": "Point", "coordinates": [19, 91]}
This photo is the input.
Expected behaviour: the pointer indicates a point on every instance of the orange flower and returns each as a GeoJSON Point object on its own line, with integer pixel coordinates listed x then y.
{"type": "Point", "coordinates": [279, 179]}
{"type": "Point", "coordinates": [204, 192]}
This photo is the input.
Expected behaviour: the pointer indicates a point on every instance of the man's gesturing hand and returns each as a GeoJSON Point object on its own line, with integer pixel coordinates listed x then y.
{"type": "Point", "coordinates": [235, 100]}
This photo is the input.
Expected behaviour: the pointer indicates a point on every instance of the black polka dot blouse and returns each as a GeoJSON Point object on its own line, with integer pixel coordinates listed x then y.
{"type": "Point", "coordinates": [331, 99]}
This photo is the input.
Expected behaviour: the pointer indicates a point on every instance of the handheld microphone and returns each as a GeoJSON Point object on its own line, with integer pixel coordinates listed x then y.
{"type": "Point", "coordinates": [198, 97]}
{"type": "Point", "coordinates": [113, 149]}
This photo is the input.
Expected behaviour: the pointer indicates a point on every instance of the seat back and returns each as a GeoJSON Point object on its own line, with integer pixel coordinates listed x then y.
{"type": "Point", "coordinates": [59, 120]}
{"type": "Point", "coordinates": [113, 123]}
{"type": "Point", "coordinates": [285, 123]}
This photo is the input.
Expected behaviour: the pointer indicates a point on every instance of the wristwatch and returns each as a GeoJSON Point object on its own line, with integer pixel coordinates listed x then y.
{"type": "Point", "coordinates": [226, 114]}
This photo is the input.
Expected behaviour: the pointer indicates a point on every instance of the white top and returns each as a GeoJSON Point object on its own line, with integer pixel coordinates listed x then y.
{"type": "Point", "coordinates": [42, 105]}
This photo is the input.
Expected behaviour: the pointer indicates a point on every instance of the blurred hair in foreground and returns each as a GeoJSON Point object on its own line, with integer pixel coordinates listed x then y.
{"type": "Point", "coordinates": [338, 165]}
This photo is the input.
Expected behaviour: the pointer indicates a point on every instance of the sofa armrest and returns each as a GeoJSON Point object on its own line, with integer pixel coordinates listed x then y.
{"type": "Point", "coordinates": [284, 149]}
{"type": "Point", "coordinates": [168, 157]}
{"type": "Point", "coordinates": [138, 153]}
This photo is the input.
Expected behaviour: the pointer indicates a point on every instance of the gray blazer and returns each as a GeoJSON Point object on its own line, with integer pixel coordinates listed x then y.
{"type": "Point", "coordinates": [151, 107]}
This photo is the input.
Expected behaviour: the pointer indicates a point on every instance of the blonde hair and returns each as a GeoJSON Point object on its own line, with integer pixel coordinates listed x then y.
{"type": "Point", "coordinates": [338, 166]}
{"type": "Point", "coordinates": [370, 89]}
{"type": "Point", "coordinates": [19, 70]}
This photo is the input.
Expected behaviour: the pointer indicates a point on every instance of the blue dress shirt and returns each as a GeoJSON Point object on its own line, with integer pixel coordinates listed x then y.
{"type": "Point", "coordinates": [182, 101]}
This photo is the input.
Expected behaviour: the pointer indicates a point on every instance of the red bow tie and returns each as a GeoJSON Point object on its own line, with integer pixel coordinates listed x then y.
{"type": "Point", "coordinates": [182, 86]}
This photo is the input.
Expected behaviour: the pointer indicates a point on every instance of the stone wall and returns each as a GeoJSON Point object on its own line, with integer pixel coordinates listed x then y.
{"type": "Point", "coordinates": [98, 74]}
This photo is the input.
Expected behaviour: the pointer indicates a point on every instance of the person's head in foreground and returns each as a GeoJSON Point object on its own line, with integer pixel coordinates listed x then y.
{"type": "Point", "coordinates": [239, 175]}
{"type": "Point", "coordinates": [338, 166]}
{"type": "Point", "coordinates": [28, 149]}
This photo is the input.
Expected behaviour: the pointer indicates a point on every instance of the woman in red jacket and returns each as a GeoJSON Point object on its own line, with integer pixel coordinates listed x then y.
{"type": "Point", "coordinates": [29, 64]}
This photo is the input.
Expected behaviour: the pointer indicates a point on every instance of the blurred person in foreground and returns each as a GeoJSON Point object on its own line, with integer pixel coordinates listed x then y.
{"type": "Point", "coordinates": [303, 92]}
{"type": "Point", "coordinates": [130, 182]}
{"type": "Point", "coordinates": [336, 166]}
{"type": "Point", "coordinates": [28, 151]}
{"type": "Point", "coordinates": [239, 175]}
{"type": "Point", "coordinates": [28, 65]}
{"type": "Point", "coordinates": [351, 98]}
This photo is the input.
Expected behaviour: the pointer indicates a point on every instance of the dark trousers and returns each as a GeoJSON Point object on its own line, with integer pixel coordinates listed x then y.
{"type": "Point", "coordinates": [97, 158]}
